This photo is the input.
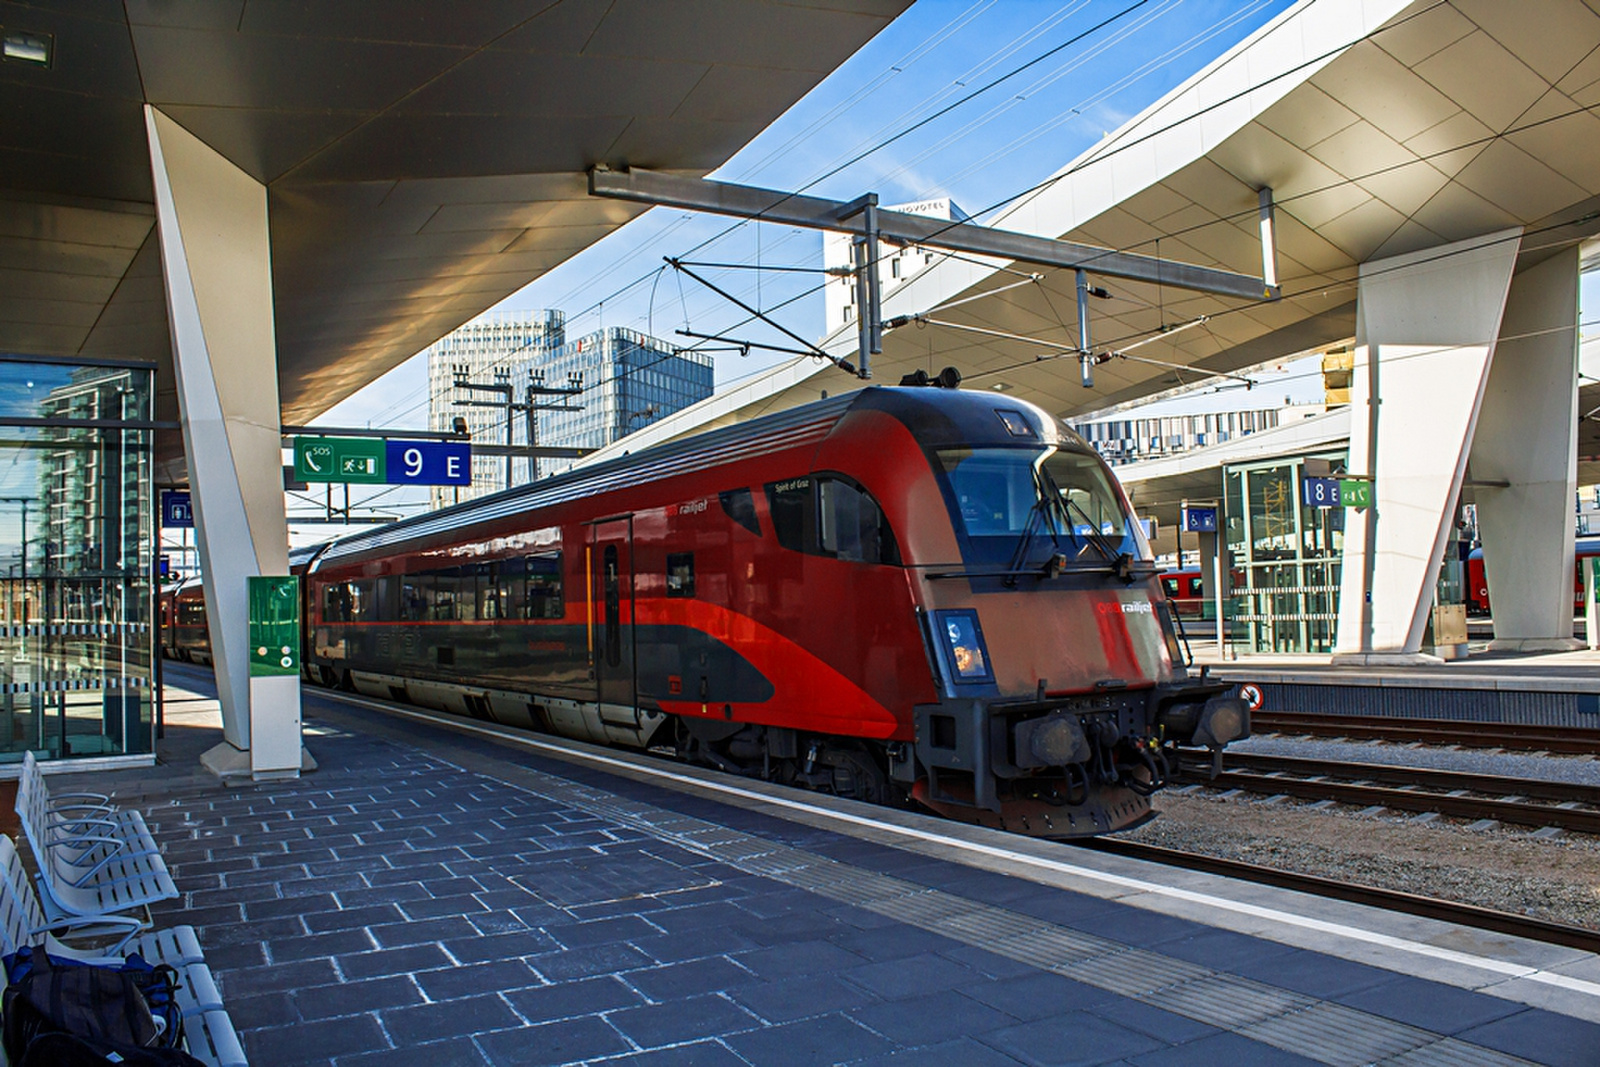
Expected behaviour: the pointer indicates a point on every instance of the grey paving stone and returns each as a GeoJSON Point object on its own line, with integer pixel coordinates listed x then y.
{"type": "Point", "coordinates": [256, 977]}
{"type": "Point", "coordinates": [244, 957]}
{"type": "Point", "coordinates": [1162, 1025]}
{"type": "Point", "coordinates": [825, 1039]}
{"type": "Point", "coordinates": [799, 998]}
{"type": "Point", "coordinates": [927, 973]}
{"type": "Point", "coordinates": [1313, 974]}
{"type": "Point", "coordinates": [497, 977]}
{"type": "Point", "coordinates": [1541, 1036]}
{"type": "Point", "coordinates": [316, 1042]}
{"type": "Point", "coordinates": [1225, 950]}
{"type": "Point", "coordinates": [1072, 1039]}
{"type": "Point", "coordinates": [987, 963]}
{"type": "Point", "coordinates": [256, 876]}
{"type": "Point", "coordinates": [382, 894]}
{"type": "Point", "coordinates": [1221, 1048]}
{"type": "Point", "coordinates": [964, 1052]}
{"type": "Point", "coordinates": [805, 957]}
{"type": "Point", "coordinates": [284, 929]}
{"type": "Point", "coordinates": [395, 875]}
{"type": "Point", "coordinates": [610, 909]}
{"type": "Point", "coordinates": [352, 918]}
{"type": "Point", "coordinates": [460, 1052]}
{"type": "Point", "coordinates": [604, 931]}
{"type": "Point", "coordinates": [719, 915]}
{"type": "Point", "coordinates": [331, 884]}
{"type": "Point", "coordinates": [446, 888]}
{"type": "Point", "coordinates": [501, 946]}
{"type": "Point", "coordinates": [393, 961]}
{"type": "Point", "coordinates": [355, 998]}
{"type": "Point", "coordinates": [693, 944]}
{"type": "Point", "coordinates": [339, 943]}
{"type": "Point", "coordinates": [262, 1010]}
{"type": "Point", "coordinates": [696, 1054]}
{"type": "Point", "coordinates": [290, 906]}
{"type": "Point", "coordinates": [436, 908]}
{"type": "Point", "coordinates": [676, 1021]}
{"type": "Point", "coordinates": [498, 922]}
{"type": "Point", "coordinates": [585, 962]}
{"type": "Point", "coordinates": [1037, 995]}
{"type": "Point", "coordinates": [567, 999]}
{"type": "Point", "coordinates": [931, 1019]}
{"type": "Point", "coordinates": [412, 933]}
{"type": "Point", "coordinates": [552, 1043]}
{"type": "Point", "coordinates": [688, 979]}
{"type": "Point", "coordinates": [1432, 1005]}
{"type": "Point", "coordinates": [453, 1018]}
{"type": "Point", "coordinates": [892, 942]}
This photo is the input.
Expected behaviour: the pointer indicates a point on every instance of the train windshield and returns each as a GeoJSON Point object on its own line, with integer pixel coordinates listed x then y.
{"type": "Point", "coordinates": [1019, 506]}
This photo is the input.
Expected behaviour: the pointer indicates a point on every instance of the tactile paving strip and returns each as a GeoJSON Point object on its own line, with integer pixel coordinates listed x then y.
{"type": "Point", "coordinates": [1316, 1029]}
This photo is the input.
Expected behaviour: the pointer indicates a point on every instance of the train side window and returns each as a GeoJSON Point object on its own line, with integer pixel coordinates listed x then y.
{"type": "Point", "coordinates": [740, 506]}
{"type": "Point", "coordinates": [1170, 587]}
{"type": "Point", "coordinates": [361, 602]}
{"type": "Point", "coordinates": [416, 593]}
{"type": "Point", "coordinates": [544, 596]}
{"type": "Point", "coordinates": [793, 512]}
{"type": "Point", "coordinates": [850, 525]}
{"type": "Point", "coordinates": [680, 574]}
{"type": "Point", "coordinates": [386, 600]}
{"type": "Point", "coordinates": [333, 599]}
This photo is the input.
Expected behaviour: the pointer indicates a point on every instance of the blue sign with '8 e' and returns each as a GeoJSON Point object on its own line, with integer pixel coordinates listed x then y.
{"type": "Point", "coordinates": [428, 462]}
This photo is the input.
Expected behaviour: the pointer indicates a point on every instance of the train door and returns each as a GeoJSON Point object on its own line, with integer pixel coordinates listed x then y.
{"type": "Point", "coordinates": [611, 645]}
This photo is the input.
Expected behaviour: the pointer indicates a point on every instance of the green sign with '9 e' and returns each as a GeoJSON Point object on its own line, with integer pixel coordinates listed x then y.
{"type": "Point", "coordinates": [274, 625]}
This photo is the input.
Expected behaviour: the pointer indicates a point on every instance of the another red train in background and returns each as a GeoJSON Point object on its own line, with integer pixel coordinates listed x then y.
{"type": "Point", "coordinates": [1478, 582]}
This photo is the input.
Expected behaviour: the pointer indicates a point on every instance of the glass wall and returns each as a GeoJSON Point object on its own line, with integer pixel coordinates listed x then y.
{"type": "Point", "coordinates": [76, 539]}
{"type": "Point", "coordinates": [1285, 558]}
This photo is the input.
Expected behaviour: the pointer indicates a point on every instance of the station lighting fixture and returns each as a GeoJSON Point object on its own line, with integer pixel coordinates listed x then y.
{"type": "Point", "coordinates": [18, 46]}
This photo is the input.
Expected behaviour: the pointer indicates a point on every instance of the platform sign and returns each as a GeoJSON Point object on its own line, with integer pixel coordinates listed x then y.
{"type": "Point", "coordinates": [1355, 492]}
{"type": "Point", "coordinates": [1321, 492]}
{"type": "Point", "coordinates": [1198, 519]}
{"type": "Point", "coordinates": [429, 462]}
{"type": "Point", "coordinates": [274, 625]}
{"type": "Point", "coordinates": [340, 459]}
{"type": "Point", "coordinates": [177, 509]}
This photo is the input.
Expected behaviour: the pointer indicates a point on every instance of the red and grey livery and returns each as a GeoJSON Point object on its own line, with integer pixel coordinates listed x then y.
{"type": "Point", "coordinates": [901, 593]}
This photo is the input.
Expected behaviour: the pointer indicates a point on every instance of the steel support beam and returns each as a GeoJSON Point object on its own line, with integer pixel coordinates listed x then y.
{"type": "Point", "coordinates": [793, 209]}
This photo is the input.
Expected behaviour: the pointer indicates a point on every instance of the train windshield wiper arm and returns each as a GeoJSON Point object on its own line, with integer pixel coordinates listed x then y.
{"type": "Point", "coordinates": [1121, 563]}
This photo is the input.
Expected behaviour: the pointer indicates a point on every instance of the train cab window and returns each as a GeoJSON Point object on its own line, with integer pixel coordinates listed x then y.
{"type": "Point", "coordinates": [680, 574]}
{"type": "Point", "coordinates": [543, 595]}
{"type": "Point", "coordinates": [850, 525]}
{"type": "Point", "coordinates": [792, 512]}
{"type": "Point", "coordinates": [740, 506]}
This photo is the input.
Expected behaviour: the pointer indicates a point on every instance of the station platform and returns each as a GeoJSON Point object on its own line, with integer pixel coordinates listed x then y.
{"type": "Point", "coordinates": [1548, 688]}
{"type": "Point", "coordinates": [436, 896]}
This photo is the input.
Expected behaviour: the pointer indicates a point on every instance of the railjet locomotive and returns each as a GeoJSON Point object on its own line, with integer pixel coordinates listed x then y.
{"type": "Point", "coordinates": [898, 594]}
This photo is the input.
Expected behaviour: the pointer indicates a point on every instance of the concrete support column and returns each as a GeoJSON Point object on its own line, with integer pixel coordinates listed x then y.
{"type": "Point", "coordinates": [1426, 326]}
{"type": "Point", "coordinates": [1524, 466]}
{"type": "Point", "coordinates": [212, 221]}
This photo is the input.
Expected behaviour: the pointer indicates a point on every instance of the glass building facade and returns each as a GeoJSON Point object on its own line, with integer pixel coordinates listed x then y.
{"type": "Point", "coordinates": [1285, 559]}
{"type": "Point", "coordinates": [76, 543]}
{"type": "Point", "coordinates": [630, 380]}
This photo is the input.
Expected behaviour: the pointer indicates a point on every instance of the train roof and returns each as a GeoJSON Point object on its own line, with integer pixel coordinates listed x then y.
{"type": "Point", "coordinates": [937, 416]}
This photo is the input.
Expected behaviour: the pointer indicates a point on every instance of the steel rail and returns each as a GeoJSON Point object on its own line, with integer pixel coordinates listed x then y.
{"type": "Point", "coordinates": [1519, 736]}
{"type": "Point", "coordinates": [1499, 785]}
{"type": "Point", "coordinates": [1450, 911]}
{"type": "Point", "coordinates": [1370, 796]}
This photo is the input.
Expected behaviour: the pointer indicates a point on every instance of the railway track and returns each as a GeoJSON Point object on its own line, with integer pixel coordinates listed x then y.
{"type": "Point", "coordinates": [1517, 801]}
{"type": "Point", "coordinates": [1450, 911]}
{"type": "Point", "coordinates": [1514, 736]}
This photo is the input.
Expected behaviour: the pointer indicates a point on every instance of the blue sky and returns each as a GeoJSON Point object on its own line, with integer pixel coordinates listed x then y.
{"type": "Point", "coordinates": [980, 153]}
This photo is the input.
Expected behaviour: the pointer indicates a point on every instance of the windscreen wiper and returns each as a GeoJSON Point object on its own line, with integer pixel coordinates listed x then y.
{"type": "Point", "coordinates": [1122, 563]}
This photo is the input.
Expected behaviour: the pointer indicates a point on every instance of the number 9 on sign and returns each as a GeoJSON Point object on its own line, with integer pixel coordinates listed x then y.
{"type": "Point", "coordinates": [413, 462]}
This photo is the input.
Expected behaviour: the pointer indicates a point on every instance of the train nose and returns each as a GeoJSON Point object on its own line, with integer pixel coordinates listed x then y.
{"type": "Point", "coordinates": [1053, 741]}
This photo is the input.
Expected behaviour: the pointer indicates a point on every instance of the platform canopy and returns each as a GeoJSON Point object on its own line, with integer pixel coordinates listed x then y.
{"type": "Point", "coordinates": [1382, 127]}
{"type": "Point", "coordinates": [423, 160]}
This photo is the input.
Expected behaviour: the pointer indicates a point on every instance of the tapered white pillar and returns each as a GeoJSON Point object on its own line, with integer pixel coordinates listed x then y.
{"type": "Point", "coordinates": [1524, 463]}
{"type": "Point", "coordinates": [1426, 327]}
{"type": "Point", "coordinates": [212, 221]}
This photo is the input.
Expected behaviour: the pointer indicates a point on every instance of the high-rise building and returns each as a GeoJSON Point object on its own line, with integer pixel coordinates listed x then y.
{"type": "Point", "coordinates": [895, 265]}
{"type": "Point", "coordinates": [628, 380]}
{"type": "Point", "coordinates": [491, 349]}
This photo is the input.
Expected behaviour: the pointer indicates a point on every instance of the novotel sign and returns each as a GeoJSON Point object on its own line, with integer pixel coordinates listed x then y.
{"type": "Point", "coordinates": [382, 461]}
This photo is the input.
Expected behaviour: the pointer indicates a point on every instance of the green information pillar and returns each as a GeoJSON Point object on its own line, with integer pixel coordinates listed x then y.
{"type": "Point", "coordinates": [274, 625]}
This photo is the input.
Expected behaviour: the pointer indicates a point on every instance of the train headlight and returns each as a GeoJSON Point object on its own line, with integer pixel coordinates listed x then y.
{"type": "Point", "coordinates": [967, 656]}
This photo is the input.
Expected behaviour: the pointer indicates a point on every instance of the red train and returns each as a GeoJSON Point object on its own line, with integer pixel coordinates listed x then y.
{"type": "Point", "coordinates": [901, 593]}
{"type": "Point", "coordinates": [1478, 582]}
{"type": "Point", "coordinates": [184, 633]}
